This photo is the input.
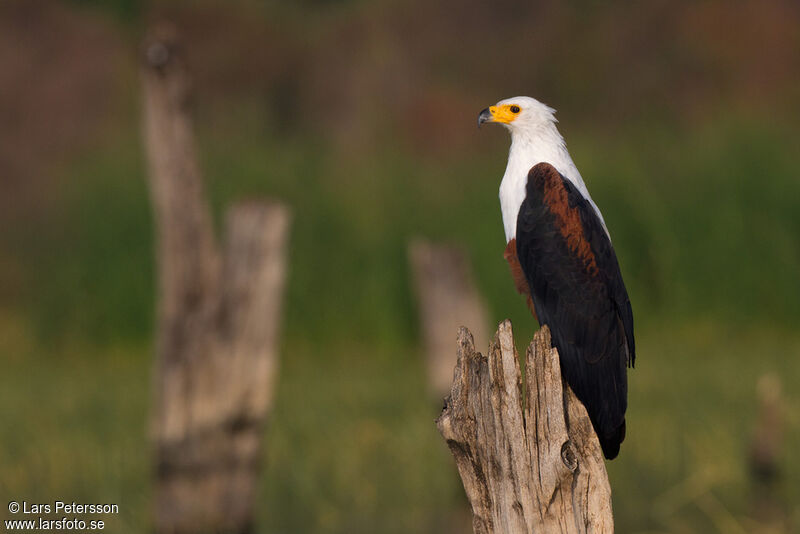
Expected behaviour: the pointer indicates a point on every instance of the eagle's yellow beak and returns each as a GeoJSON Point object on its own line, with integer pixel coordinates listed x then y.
{"type": "Point", "coordinates": [501, 114]}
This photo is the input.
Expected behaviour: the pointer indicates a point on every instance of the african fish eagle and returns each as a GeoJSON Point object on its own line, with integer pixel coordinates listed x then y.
{"type": "Point", "coordinates": [561, 258]}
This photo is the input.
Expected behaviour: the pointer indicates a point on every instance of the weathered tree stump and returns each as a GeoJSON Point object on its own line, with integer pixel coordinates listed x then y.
{"type": "Point", "coordinates": [532, 466]}
{"type": "Point", "coordinates": [765, 455]}
{"type": "Point", "coordinates": [218, 318]}
{"type": "Point", "coordinates": [447, 298]}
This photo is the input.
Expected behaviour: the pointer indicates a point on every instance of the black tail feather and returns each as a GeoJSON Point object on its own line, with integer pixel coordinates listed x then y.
{"type": "Point", "coordinates": [611, 442]}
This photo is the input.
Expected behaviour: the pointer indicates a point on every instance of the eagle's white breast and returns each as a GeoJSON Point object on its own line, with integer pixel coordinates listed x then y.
{"type": "Point", "coordinates": [528, 148]}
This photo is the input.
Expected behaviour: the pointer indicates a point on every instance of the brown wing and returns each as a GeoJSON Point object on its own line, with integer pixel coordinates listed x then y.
{"type": "Point", "coordinates": [577, 290]}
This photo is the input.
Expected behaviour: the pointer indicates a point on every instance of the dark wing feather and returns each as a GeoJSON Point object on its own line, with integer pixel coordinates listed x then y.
{"type": "Point", "coordinates": [577, 290]}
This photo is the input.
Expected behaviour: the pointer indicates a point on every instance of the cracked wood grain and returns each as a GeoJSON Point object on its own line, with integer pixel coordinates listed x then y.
{"type": "Point", "coordinates": [529, 463]}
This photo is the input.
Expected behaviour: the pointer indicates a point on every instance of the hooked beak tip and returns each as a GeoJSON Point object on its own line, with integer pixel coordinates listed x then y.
{"type": "Point", "coordinates": [484, 116]}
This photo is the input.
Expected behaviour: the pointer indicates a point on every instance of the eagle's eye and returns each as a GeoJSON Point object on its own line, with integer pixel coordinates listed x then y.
{"type": "Point", "coordinates": [514, 109]}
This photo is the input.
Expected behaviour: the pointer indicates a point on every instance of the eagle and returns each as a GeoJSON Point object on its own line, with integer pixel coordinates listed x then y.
{"type": "Point", "coordinates": [561, 258]}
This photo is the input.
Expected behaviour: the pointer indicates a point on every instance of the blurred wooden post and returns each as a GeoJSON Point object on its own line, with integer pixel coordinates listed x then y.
{"type": "Point", "coordinates": [447, 299]}
{"type": "Point", "coordinates": [218, 318]}
{"type": "Point", "coordinates": [765, 451]}
{"type": "Point", "coordinates": [533, 466]}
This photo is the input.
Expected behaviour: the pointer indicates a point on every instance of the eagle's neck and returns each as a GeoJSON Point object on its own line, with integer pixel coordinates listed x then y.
{"type": "Point", "coordinates": [529, 147]}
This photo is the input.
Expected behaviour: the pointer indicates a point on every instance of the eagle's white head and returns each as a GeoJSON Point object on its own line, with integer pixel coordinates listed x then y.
{"type": "Point", "coordinates": [520, 115]}
{"type": "Point", "coordinates": [534, 139]}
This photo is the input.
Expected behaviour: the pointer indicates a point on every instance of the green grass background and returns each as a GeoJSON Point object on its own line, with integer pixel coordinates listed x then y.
{"type": "Point", "coordinates": [705, 222]}
{"type": "Point", "coordinates": [707, 242]}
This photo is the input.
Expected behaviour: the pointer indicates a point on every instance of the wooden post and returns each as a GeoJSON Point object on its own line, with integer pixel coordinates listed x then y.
{"type": "Point", "coordinates": [218, 318]}
{"type": "Point", "coordinates": [765, 454]}
{"type": "Point", "coordinates": [447, 298]}
{"type": "Point", "coordinates": [532, 466]}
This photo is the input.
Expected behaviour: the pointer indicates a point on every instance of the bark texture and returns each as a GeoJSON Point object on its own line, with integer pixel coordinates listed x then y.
{"type": "Point", "coordinates": [447, 298]}
{"type": "Point", "coordinates": [218, 319]}
{"type": "Point", "coordinates": [530, 464]}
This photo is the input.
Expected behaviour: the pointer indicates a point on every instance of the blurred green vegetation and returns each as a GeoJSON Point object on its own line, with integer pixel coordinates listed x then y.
{"type": "Point", "coordinates": [704, 218]}
{"type": "Point", "coordinates": [709, 255]}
